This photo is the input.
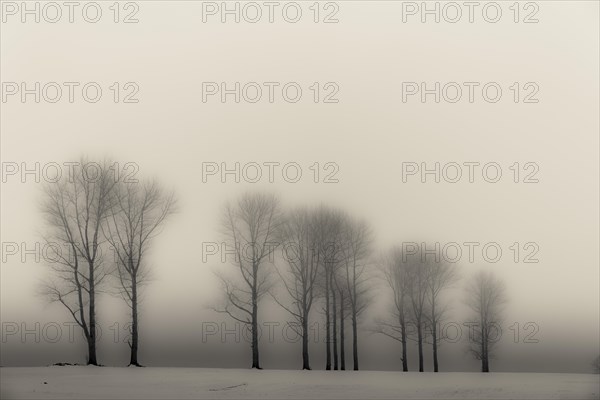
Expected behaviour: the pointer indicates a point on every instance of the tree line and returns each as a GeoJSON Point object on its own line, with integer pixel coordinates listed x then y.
{"type": "Point", "coordinates": [327, 260]}
{"type": "Point", "coordinates": [328, 266]}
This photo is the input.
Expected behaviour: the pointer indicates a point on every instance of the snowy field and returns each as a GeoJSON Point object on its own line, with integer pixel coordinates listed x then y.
{"type": "Point", "coordinates": [79, 382]}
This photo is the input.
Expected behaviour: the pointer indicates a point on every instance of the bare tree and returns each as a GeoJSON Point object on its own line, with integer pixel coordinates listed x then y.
{"type": "Point", "coordinates": [334, 326]}
{"type": "Point", "coordinates": [325, 283]}
{"type": "Point", "coordinates": [486, 297]}
{"type": "Point", "coordinates": [75, 208]}
{"type": "Point", "coordinates": [329, 229]}
{"type": "Point", "coordinates": [299, 238]}
{"type": "Point", "coordinates": [138, 212]}
{"type": "Point", "coordinates": [416, 282]}
{"type": "Point", "coordinates": [251, 228]}
{"type": "Point", "coordinates": [440, 275]}
{"type": "Point", "coordinates": [342, 290]}
{"type": "Point", "coordinates": [417, 293]}
{"type": "Point", "coordinates": [336, 287]}
{"type": "Point", "coordinates": [356, 251]}
{"type": "Point", "coordinates": [396, 274]}
{"type": "Point", "coordinates": [331, 249]}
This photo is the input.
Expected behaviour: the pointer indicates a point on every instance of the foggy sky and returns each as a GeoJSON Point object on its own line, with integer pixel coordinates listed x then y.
{"type": "Point", "coordinates": [368, 134]}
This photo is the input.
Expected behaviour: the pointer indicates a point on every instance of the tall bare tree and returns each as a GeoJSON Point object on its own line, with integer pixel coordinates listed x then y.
{"type": "Point", "coordinates": [75, 208]}
{"type": "Point", "coordinates": [342, 290]}
{"type": "Point", "coordinates": [138, 211]}
{"type": "Point", "coordinates": [397, 275]}
{"type": "Point", "coordinates": [329, 229]}
{"type": "Point", "coordinates": [417, 292]}
{"type": "Point", "coordinates": [251, 227]}
{"type": "Point", "coordinates": [487, 295]}
{"type": "Point", "coordinates": [356, 250]}
{"type": "Point", "coordinates": [299, 237]}
{"type": "Point", "coordinates": [336, 285]}
{"type": "Point", "coordinates": [440, 275]}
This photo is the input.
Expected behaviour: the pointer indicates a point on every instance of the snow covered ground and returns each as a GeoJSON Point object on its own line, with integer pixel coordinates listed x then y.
{"type": "Point", "coordinates": [80, 382]}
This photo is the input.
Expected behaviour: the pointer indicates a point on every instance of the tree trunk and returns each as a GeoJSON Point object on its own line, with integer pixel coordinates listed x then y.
{"type": "Point", "coordinates": [91, 352]}
{"type": "Point", "coordinates": [435, 361]}
{"type": "Point", "coordinates": [485, 365]}
{"type": "Point", "coordinates": [354, 341]}
{"type": "Point", "coordinates": [255, 360]}
{"type": "Point", "coordinates": [403, 339]}
{"type": "Point", "coordinates": [342, 342]}
{"type": "Point", "coordinates": [84, 324]}
{"type": "Point", "coordinates": [354, 316]}
{"type": "Point", "coordinates": [92, 331]}
{"type": "Point", "coordinates": [327, 333]}
{"type": "Point", "coordinates": [484, 352]}
{"type": "Point", "coordinates": [435, 355]}
{"type": "Point", "coordinates": [305, 360]}
{"type": "Point", "coordinates": [420, 342]}
{"type": "Point", "coordinates": [334, 333]}
{"type": "Point", "coordinates": [134, 324]}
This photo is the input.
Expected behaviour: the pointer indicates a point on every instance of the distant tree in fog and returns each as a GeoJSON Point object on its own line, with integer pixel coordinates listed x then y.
{"type": "Point", "coordinates": [596, 365]}
{"type": "Point", "coordinates": [75, 208]}
{"type": "Point", "coordinates": [299, 238]}
{"type": "Point", "coordinates": [250, 226]}
{"type": "Point", "coordinates": [396, 274]}
{"type": "Point", "coordinates": [356, 252]}
{"type": "Point", "coordinates": [418, 278]}
{"type": "Point", "coordinates": [138, 210]}
{"type": "Point", "coordinates": [342, 290]}
{"type": "Point", "coordinates": [486, 297]}
{"type": "Point", "coordinates": [329, 228]}
{"type": "Point", "coordinates": [440, 275]}
{"type": "Point", "coordinates": [344, 245]}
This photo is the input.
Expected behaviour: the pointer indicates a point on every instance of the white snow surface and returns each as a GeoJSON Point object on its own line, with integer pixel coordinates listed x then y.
{"type": "Point", "coordinates": [88, 382]}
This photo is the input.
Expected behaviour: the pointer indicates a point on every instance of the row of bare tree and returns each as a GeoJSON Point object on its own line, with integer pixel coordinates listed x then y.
{"type": "Point", "coordinates": [326, 262]}
{"type": "Point", "coordinates": [91, 211]}
{"type": "Point", "coordinates": [325, 255]}
{"type": "Point", "coordinates": [326, 258]}
{"type": "Point", "coordinates": [417, 283]}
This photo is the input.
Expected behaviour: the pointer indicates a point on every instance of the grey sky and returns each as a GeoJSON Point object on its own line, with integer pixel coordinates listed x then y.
{"type": "Point", "coordinates": [368, 135]}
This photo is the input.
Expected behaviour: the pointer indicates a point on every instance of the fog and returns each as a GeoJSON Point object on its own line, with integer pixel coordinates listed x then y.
{"type": "Point", "coordinates": [367, 137]}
